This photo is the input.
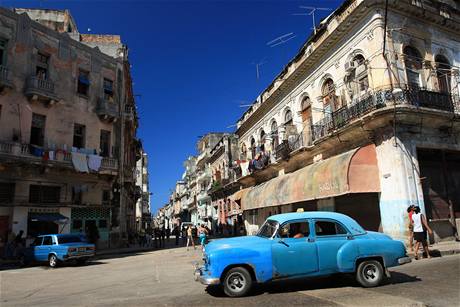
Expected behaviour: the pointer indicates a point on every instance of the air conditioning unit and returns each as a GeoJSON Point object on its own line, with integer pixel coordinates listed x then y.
{"type": "Point", "coordinates": [349, 66]}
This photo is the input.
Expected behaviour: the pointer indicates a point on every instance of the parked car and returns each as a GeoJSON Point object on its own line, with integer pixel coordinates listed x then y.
{"type": "Point", "coordinates": [294, 245]}
{"type": "Point", "coordinates": [56, 248]}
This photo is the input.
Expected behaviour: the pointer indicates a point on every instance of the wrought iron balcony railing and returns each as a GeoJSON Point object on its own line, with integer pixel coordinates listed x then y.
{"type": "Point", "coordinates": [407, 96]}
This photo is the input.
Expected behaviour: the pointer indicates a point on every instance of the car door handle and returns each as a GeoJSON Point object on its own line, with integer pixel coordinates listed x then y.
{"type": "Point", "coordinates": [311, 240]}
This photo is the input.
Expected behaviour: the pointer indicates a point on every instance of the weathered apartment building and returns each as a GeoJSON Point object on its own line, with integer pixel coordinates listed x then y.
{"type": "Point", "coordinates": [364, 120]}
{"type": "Point", "coordinates": [67, 128]}
{"type": "Point", "coordinates": [143, 217]}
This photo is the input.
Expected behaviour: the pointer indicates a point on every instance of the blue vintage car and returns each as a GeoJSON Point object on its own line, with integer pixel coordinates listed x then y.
{"type": "Point", "coordinates": [56, 248]}
{"type": "Point", "coordinates": [305, 244]}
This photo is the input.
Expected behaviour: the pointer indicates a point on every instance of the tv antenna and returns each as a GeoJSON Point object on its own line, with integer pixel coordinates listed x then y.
{"type": "Point", "coordinates": [281, 39]}
{"type": "Point", "coordinates": [258, 64]}
{"type": "Point", "coordinates": [311, 13]}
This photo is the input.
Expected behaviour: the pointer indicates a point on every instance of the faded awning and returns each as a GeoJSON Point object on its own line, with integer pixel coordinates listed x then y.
{"type": "Point", "coordinates": [238, 195]}
{"type": "Point", "coordinates": [355, 171]}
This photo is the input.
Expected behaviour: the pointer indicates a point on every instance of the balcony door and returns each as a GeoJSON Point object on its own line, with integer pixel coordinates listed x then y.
{"type": "Point", "coordinates": [37, 130]}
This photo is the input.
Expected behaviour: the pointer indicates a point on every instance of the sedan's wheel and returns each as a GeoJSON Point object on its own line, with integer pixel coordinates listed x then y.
{"type": "Point", "coordinates": [237, 282]}
{"type": "Point", "coordinates": [369, 273]}
{"type": "Point", "coordinates": [53, 261]}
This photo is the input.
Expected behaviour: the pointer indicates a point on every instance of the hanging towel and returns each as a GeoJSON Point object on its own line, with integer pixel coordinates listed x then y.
{"type": "Point", "coordinates": [94, 162]}
{"type": "Point", "coordinates": [80, 162]}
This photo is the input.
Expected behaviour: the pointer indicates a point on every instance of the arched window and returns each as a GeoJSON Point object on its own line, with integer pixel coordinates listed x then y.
{"type": "Point", "coordinates": [330, 100]}
{"type": "Point", "coordinates": [361, 78]}
{"type": "Point", "coordinates": [288, 117]}
{"type": "Point", "coordinates": [443, 73]}
{"type": "Point", "coordinates": [305, 107]}
{"type": "Point", "coordinates": [413, 62]}
{"type": "Point", "coordinates": [244, 152]}
{"type": "Point", "coordinates": [253, 148]}
{"type": "Point", "coordinates": [274, 132]}
{"type": "Point", "coordinates": [262, 140]}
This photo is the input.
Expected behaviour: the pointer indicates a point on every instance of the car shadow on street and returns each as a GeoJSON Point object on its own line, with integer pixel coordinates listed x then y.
{"type": "Point", "coordinates": [305, 284]}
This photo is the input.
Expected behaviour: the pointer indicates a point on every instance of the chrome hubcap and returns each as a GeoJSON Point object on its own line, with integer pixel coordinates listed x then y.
{"type": "Point", "coordinates": [52, 261]}
{"type": "Point", "coordinates": [236, 282]}
{"type": "Point", "coordinates": [370, 272]}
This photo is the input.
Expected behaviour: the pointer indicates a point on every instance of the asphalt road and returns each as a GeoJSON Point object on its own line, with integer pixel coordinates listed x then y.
{"type": "Point", "coordinates": [165, 278]}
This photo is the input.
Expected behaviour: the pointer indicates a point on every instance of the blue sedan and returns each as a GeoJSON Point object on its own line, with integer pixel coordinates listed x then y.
{"type": "Point", "coordinates": [294, 245]}
{"type": "Point", "coordinates": [56, 248]}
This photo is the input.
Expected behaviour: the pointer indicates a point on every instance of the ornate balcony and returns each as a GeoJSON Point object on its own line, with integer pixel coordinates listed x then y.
{"type": "Point", "coordinates": [32, 154]}
{"type": "Point", "coordinates": [420, 98]}
{"type": "Point", "coordinates": [5, 81]}
{"type": "Point", "coordinates": [107, 110]}
{"type": "Point", "coordinates": [38, 89]}
{"type": "Point", "coordinates": [129, 113]}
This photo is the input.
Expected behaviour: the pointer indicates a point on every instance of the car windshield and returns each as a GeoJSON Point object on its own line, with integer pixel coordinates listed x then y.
{"type": "Point", "coordinates": [69, 239]}
{"type": "Point", "coordinates": [268, 229]}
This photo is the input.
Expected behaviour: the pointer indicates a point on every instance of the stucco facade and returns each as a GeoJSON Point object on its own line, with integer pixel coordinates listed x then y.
{"type": "Point", "coordinates": [62, 97]}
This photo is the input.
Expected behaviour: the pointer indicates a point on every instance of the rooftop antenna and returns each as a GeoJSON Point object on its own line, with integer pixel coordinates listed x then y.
{"type": "Point", "coordinates": [281, 39]}
{"type": "Point", "coordinates": [311, 12]}
{"type": "Point", "coordinates": [258, 64]}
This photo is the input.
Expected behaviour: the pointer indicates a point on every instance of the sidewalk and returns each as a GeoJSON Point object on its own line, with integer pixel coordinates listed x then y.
{"type": "Point", "coordinates": [440, 249]}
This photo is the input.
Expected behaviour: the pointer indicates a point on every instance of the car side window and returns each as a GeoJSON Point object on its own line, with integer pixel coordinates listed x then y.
{"type": "Point", "coordinates": [37, 241]}
{"type": "Point", "coordinates": [47, 240]}
{"type": "Point", "coordinates": [295, 230]}
{"type": "Point", "coordinates": [329, 228]}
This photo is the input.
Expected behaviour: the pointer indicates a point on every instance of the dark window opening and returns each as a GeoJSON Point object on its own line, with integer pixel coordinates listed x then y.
{"type": "Point", "coordinates": [48, 240]}
{"type": "Point", "coordinates": [37, 131]}
{"type": "Point", "coordinates": [105, 197]}
{"type": "Point", "coordinates": [108, 89]}
{"type": "Point", "coordinates": [83, 83]}
{"type": "Point", "coordinates": [295, 230]}
{"type": "Point", "coordinates": [3, 52]}
{"type": "Point", "coordinates": [105, 143]}
{"type": "Point", "coordinates": [79, 136]}
{"type": "Point", "coordinates": [325, 228]}
{"type": "Point", "coordinates": [44, 194]}
{"type": "Point", "coordinates": [413, 62]}
{"type": "Point", "coordinates": [77, 224]}
{"type": "Point", "coordinates": [6, 192]}
{"type": "Point", "coordinates": [42, 66]}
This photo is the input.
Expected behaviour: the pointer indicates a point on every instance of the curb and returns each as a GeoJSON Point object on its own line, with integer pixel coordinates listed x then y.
{"type": "Point", "coordinates": [437, 253]}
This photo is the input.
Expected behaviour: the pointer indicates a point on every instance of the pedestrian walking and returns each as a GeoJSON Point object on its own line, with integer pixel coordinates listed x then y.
{"type": "Point", "coordinates": [420, 228]}
{"type": "Point", "coordinates": [176, 234]}
{"type": "Point", "coordinates": [202, 232]}
{"type": "Point", "coordinates": [190, 237]}
{"type": "Point", "coordinates": [410, 211]}
{"type": "Point", "coordinates": [163, 235]}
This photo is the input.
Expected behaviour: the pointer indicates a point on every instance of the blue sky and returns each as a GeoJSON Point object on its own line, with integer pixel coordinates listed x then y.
{"type": "Point", "coordinates": [192, 64]}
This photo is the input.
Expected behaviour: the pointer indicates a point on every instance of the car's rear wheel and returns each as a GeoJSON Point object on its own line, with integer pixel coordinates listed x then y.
{"type": "Point", "coordinates": [237, 282]}
{"type": "Point", "coordinates": [369, 273]}
{"type": "Point", "coordinates": [52, 261]}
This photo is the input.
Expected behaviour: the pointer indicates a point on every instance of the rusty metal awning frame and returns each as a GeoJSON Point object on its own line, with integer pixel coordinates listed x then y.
{"type": "Point", "coordinates": [355, 171]}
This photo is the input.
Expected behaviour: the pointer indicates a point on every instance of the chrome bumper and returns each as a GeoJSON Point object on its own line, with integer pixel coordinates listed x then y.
{"type": "Point", "coordinates": [404, 260]}
{"type": "Point", "coordinates": [205, 281]}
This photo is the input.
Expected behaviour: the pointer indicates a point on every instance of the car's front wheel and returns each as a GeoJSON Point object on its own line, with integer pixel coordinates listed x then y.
{"type": "Point", "coordinates": [369, 273]}
{"type": "Point", "coordinates": [52, 261]}
{"type": "Point", "coordinates": [237, 282]}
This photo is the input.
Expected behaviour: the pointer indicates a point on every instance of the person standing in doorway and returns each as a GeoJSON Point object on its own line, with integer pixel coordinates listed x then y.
{"type": "Point", "coordinates": [190, 237]}
{"type": "Point", "coordinates": [420, 227]}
